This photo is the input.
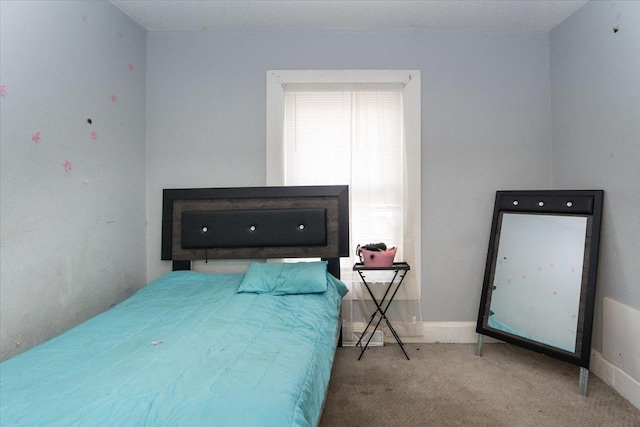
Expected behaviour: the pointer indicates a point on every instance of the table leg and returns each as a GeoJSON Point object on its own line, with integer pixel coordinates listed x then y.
{"type": "Point", "coordinates": [371, 336]}
{"type": "Point", "coordinates": [382, 312]}
{"type": "Point", "coordinates": [378, 309]}
{"type": "Point", "coordinates": [367, 327]}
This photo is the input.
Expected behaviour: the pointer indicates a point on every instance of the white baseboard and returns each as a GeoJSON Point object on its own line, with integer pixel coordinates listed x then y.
{"type": "Point", "coordinates": [448, 332]}
{"type": "Point", "coordinates": [620, 338]}
{"type": "Point", "coordinates": [616, 378]}
{"type": "Point", "coordinates": [439, 332]}
{"type": "Point", "coordinates": [351, 337]}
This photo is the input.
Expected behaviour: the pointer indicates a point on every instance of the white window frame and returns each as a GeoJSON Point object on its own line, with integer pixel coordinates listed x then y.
{"type": "Point", "coordinates": [410, 79]}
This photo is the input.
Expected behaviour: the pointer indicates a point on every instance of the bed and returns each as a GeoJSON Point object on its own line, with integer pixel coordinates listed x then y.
{"type": "Point", "coordinates": [194, 348]}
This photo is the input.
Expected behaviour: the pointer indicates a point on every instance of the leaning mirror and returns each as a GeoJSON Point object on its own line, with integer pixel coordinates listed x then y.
{"type": "Point", "coordinates": [540, 275]}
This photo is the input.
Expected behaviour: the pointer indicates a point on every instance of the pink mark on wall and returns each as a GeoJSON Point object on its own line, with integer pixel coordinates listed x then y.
{"type": "Point", "coordinates": [67, 165]}
{"type": "Point", "coordinates": [94, 135]}
{"type": "Point", "coordinates": [539, 268]}
{"type": "Point", "coordinates": [36, 137]}
{"type": "Point", "coordinates": [551, 265]}
{"type": "Point", "coordinates": [132, 66]}
{"type": "Point", "coordinates": [3, 91]}
{"type": "Point", "coordinates": [113, 97]}
{"type": "Point", "coordinates": [509, 280]}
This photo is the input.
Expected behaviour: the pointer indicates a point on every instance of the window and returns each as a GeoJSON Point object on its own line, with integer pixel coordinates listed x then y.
{"type": "Point", "coordinates": [349, 134]}
{"type": "Point", "coordinates": [356, 127]}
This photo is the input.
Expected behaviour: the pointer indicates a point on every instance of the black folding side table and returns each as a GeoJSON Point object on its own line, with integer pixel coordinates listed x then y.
{"type": "Point", "coordinates": [399, 270]}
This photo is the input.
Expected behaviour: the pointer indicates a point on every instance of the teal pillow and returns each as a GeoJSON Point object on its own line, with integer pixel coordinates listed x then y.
{"type": "Point", "coordinates": [341, 288]}
{"type": "Point", "coordinates": [285, 278]}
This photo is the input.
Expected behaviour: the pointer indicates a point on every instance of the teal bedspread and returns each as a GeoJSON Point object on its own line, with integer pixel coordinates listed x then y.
{"type": "Point", "coordinates": [185, 350]}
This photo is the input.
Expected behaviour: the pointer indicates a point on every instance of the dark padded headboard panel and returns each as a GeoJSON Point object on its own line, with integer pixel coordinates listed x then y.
{"type": "Point", "coordinates": [255, 223]}
{"type": "Point", "coordinates": [257, 228]}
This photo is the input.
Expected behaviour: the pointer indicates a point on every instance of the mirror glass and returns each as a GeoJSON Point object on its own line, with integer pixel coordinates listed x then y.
{"type": "Point", "coordinates": [538, 277]}
{"type": "Point", "coordinates": [539, 285]}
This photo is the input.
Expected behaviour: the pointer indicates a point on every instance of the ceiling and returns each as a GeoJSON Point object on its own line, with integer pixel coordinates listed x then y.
{"type": "Point", "coordinates": [256, 15]}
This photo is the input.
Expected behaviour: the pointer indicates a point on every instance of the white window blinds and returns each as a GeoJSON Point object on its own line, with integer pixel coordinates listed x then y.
{"type": "Point", "coordinates": [350, 134]}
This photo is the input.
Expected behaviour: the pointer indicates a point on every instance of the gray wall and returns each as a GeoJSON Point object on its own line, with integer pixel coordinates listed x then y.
{"type": "Point", "coordinates": [485, 127]}
{"type": "Point", "coordinates": [595, 77]}
{"type": "Point", "coordinates": [72, 242]}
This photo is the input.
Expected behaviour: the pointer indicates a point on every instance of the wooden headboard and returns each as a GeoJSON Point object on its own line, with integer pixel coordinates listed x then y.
{"type": "Point", "coordinates": [256, 223]}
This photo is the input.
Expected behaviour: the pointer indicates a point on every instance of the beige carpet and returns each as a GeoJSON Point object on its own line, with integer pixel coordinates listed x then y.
{"type": "Point", "coordinates": [448, 385]}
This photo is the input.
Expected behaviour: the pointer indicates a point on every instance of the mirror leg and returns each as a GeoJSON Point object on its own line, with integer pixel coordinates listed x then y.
{"type": "Point", "coordinates": [479, 348]}
{"type": "Point", "coordinates": [584, 379]}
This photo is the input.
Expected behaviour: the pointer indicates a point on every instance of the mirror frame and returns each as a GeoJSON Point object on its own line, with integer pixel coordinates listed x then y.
{"type": "Point", "coordinates": [584, 203]}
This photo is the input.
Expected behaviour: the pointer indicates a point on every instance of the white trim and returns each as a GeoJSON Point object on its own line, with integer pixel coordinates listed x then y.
{"type": "Point", "coordinates": [342, 76]}
{"type": "Point", "coordinates": [620, 338]}
{"type": "Point", "coordinates": [447, 332]}
{"type": "Point", "coordinates": [440, 332]}
{"type": "Point", "coordinates": [616, 378]}
{"type": "Point", "coordinates": [275, 130]}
